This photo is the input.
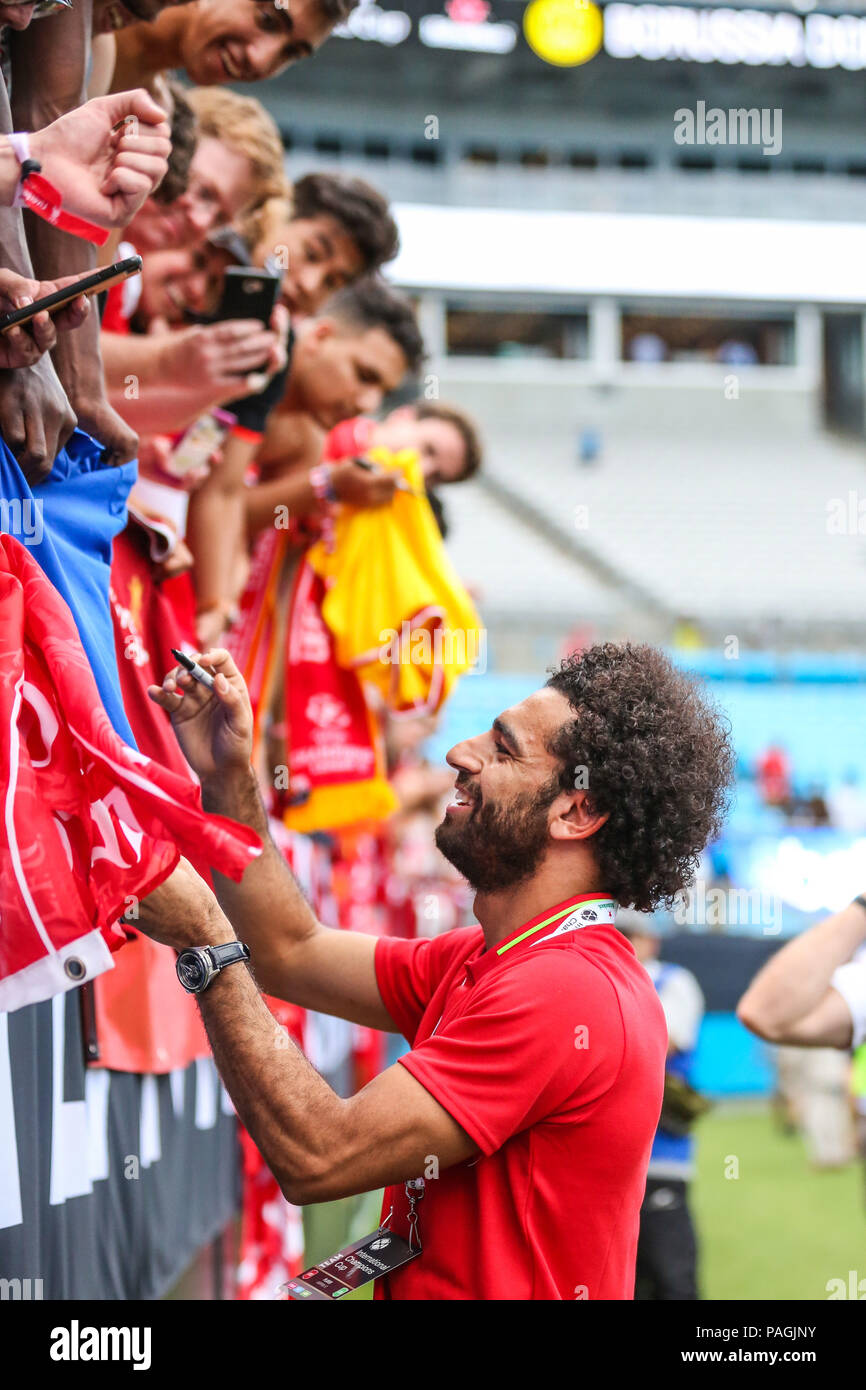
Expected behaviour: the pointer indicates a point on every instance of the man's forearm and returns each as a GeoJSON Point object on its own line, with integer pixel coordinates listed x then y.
{"type": "Point", "coordinates": [794, 982]}
{"type": "Point", "coordinates": [214, 530]}
{"type": "Point", "coordinates": [157, 410]}
{"type": "Point", "coordinates": [292, 490]}
{"type": "Point", "coordinates": [142, 382]}
{"type": "Point", "coordinates": [13, 243]}
{"type": "Point", "coordinates": [49, 66]}
{"type": "Point", "coordinates": [267, 908]}
{"type": "Point", "coordinates": [292, 1114]}
{"type": "Point", "coordinates": [76, 355]}
{"type": "Point", "coordinates": [10, 173]}
{"type": "Point", "coordinates": [215, 523]}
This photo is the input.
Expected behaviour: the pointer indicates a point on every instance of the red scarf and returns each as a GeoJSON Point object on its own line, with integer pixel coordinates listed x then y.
{"type": "Point", "coordinates": [336, 762]}
{"type": "Point", "coordinates": [89, 824]}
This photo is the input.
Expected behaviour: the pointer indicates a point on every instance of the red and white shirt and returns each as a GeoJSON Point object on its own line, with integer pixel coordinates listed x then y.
{"type": "Point", "coordinates": [549, 1051]}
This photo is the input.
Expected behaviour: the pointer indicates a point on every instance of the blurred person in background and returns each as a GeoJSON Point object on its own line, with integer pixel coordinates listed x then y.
{"type": "Point", "coordinates": [667, 1253]}
{"type": "Point", "coordinates": [220, 41]}
{"type": "Point", "coordinates": [647, 348]}
{"type": "Point", "coordinates": [213, 168]}
{"type": "Point", "coordinates": [108, 17]}
{"type": "Point", "coordinates": [445, 438]}
{"type": "Point", "coordinates": [346, 359]}
{"type": "Point", "coordinates": [332, 231]}
{"type": "Point", "coordinates": [736, 352]}
{"type": "Point", "coordinates": [426, 894]}
{"type": "Point", "coordinates": [773, 776]}
{"type": "Point", "coordinates": [157, 222]}
{"type": "Point", "coordinates": [813, 1087]}
{"type": "Point", "coordinates": [237, 166]}
{"type": "Point", "coordinates": [812, 991]}
{"type": "Point", "coordinates": [812, 995]}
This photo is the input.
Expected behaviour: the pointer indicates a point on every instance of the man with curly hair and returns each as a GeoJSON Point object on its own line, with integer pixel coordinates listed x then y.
{"type": "Point", "coordinates": [529, 1099]}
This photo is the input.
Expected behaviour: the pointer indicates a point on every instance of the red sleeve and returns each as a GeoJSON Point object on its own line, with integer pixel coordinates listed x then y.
{"type": "Point", "coordinates": [114, 318]}
{"type": "Point", "coordinates": [408, 972]}
{"type": "Point", "coordinates": [539, 1038]}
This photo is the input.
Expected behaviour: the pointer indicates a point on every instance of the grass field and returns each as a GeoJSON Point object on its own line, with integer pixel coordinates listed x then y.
{"type": "Point", "coordinates": [778, 1230]}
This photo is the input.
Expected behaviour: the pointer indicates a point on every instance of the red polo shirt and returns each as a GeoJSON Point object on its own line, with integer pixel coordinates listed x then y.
{"type": "Point", "coordinates": [549, 1051]}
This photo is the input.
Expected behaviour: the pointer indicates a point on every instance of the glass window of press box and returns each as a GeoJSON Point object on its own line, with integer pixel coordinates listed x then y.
{"type": "Point", "coordinates": [516, 330]}
{"type": "Point", "coordinates": [736, 340]}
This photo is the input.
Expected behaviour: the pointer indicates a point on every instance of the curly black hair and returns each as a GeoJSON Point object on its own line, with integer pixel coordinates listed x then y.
{"type": "Point", "coordinates": [659, 761]}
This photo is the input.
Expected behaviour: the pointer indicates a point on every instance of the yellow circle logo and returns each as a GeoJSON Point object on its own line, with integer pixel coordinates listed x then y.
{"type": "Point", "coordinates": [563, 32]}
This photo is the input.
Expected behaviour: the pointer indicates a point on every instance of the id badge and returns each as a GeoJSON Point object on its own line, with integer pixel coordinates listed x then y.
{"type": "Point", "coordinates": [351, 1268]}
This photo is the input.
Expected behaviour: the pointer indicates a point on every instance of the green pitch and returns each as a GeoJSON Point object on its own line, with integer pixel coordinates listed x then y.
{"type": "Point", "coordinates": [779, 1229]}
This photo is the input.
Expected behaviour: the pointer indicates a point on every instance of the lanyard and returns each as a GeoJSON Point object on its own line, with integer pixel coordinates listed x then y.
{"type": "Point", "coordinates": [363, 1261]}
{"type": "Point", "coordinates": [584, 913]}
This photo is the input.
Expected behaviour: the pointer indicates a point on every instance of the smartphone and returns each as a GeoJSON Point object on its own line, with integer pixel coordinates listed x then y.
{"type": "Point", "coordinates": [88, 284]}
{"type": "Point", "coordinates": [248, 293]}
{"type": "Point", "coordinates": [195, 446]}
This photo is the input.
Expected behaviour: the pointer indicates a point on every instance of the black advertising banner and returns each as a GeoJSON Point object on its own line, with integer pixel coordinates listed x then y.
{"type": "Point", "coordinates": [109, 1182]}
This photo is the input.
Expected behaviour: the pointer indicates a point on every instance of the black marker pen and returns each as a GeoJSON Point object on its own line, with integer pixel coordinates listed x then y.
{"type": "Point", "coordinates": [197, 672]}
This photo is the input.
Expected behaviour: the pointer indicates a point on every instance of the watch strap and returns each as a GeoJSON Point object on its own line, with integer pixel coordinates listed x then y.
{"type": "Point", "coordinates": [229, 953]}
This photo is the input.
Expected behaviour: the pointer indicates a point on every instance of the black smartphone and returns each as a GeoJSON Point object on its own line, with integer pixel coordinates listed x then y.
{"type": "Point", "coordinates": [248, 293]}
{"type": "Point", "coordinates": [88, 284]}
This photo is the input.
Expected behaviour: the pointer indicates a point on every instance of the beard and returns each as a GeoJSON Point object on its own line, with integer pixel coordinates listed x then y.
{"type": "Point", "coordinates": [497, 847]}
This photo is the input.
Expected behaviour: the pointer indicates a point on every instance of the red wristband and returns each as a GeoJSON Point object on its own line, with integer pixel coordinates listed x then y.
{"type": "Point", "coordinates": [42, 198]}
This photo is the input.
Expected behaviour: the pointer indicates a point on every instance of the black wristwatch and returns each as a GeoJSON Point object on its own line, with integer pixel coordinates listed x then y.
{"type": "Point", "coordinates": [198, 966]}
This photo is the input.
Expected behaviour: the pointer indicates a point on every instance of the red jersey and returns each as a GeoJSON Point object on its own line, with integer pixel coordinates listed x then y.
{"type": "Point", "coordinates": [549, 1051]}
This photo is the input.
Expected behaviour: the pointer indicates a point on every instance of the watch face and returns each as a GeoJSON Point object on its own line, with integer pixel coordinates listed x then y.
{"type": "Point", "coordinates": [191, 970]}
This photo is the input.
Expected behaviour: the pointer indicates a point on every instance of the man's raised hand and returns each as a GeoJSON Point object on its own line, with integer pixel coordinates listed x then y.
{"type": "Point", "coordinates": [213, 727]}
{"type": "Point", "coordinates": [104, 169]}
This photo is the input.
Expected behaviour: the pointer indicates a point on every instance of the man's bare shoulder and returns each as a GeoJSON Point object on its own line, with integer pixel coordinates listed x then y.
{"type": "Point", "coordinates": [292, 440]}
